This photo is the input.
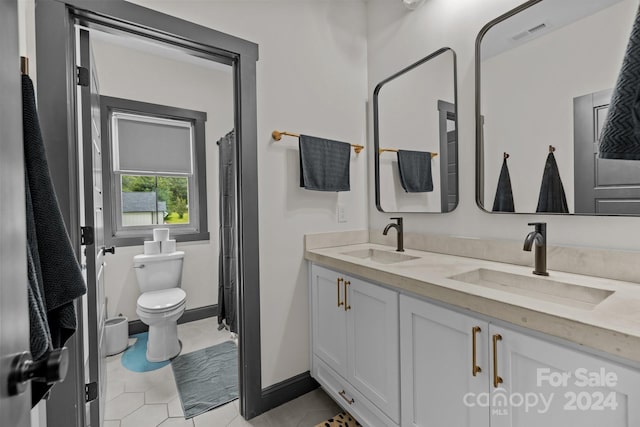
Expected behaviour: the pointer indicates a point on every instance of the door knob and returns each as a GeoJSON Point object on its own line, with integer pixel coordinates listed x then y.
{"type": "Point", "coordinates": [111, 250]}
{"type": "Point", "coordinates": [51, 369]}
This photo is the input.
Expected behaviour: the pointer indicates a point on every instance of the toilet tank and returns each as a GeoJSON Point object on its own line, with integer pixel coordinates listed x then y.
{"type": "Point", "coordinates": [158, 272]}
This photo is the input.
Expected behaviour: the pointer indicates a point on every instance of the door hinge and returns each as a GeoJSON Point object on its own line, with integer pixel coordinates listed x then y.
{"type": "Point", "coordinates": [82, 76]}
{"type": "Point", "coordinates": [90, 392]}
{"type": "Point", "coordinates": [86, 236]}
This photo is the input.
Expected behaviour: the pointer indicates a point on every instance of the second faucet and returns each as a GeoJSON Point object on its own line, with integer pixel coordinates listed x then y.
{"type": "Point", "coordinates": [399, 229]}
{"type": "Point", "coordinates": [539, 237]}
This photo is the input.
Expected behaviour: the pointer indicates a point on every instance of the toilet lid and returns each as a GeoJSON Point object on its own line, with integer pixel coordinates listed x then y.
{"type": "Point", "coordinates": [161, 300]}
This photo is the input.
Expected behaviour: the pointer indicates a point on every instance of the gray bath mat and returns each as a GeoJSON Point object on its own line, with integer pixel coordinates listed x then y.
{"type": "Point", "coordinates": [207, 378]}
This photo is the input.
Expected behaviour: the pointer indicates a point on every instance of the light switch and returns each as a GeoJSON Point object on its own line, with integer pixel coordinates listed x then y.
{"type": "Point", "coordinates": [342, 215]}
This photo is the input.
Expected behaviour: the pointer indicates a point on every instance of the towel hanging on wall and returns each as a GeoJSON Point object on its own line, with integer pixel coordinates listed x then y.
{"type": "Point", "coordinates": [620, 137]}
{"type": "Point", "coordinates": [503, 202]}
{"type": "Point", "coordinates": [324, 164]}
{"type": "Point", "coordinates": [552, 198]}
{"type": "Point", "coordinates": [415, 171]}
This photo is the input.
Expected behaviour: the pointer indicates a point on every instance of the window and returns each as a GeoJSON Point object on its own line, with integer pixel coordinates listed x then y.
{"type": "Point", "coordinates": [156, 170]}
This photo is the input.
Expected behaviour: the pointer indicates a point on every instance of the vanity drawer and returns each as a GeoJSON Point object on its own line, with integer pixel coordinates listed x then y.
{"type": "Point", "coordinates": [355, 403]}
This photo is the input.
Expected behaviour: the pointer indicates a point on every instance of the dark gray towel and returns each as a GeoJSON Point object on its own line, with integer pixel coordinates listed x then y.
{"type": "Point", "coordinates": [503, 201]}
{"type": "Point", "coordinates": [415, 171]}
{"type": "Point", "coordinates": [552, 197]}
{"type": "Point", "coordinates": [620, 137]}
{"type": "Point", "coordinates": [324, 164]}
{"type": "Point", "coordinates": [39, 333]}
{"type": "Point", "coordinates": [62, 279]}
{"type": "Point", "coordinates": [58, 278]}
{"type": "Point", "coordinates": [227, 301]}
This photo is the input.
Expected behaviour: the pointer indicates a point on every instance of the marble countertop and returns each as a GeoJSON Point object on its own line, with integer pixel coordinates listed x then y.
{"type": "Point", "coordinates": [612, 326]}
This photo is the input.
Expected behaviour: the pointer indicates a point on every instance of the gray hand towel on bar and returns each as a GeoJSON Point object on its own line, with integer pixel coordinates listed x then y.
{"type": "Point", "coordinates": [324, 164]}
{"type": "Point", "coordinates": [415, 171]}
{"type": "Point", "coordinates": [620, 136]}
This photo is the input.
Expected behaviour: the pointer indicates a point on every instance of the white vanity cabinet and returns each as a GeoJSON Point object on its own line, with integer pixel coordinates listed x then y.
{"type": "Point", "coordinates": [437, 366]}
{"type": "Point", "coordinates": [580, 389]}
{"type": "Point", "coordinates": [355, 336]}
{"type": "Point", "coordinates": [522, 382]}
{"type": "Point", "coordinates": [329, 318]}
{"type": "Point", "coordinates": [371, 345]}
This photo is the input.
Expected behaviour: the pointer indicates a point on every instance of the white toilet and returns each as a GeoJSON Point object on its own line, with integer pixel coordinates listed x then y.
{"type": "Point", "coordinates": [162, 301]}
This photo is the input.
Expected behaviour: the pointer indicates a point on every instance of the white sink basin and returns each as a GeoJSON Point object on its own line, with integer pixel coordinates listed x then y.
{"type": "Point", "coordinates": [567, 294]}
{"type": "Point", "coordinates": [380, 256]}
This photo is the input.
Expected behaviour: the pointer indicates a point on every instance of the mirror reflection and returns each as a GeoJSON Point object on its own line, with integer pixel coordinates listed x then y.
{"type": "Point", "coordinates": [415, 135]}
{"type": "Point", "coordinates": [546, 75]}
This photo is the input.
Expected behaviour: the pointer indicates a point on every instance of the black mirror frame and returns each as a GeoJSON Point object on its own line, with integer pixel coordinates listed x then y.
{"type": "Point", "coordinates": [376, 122]}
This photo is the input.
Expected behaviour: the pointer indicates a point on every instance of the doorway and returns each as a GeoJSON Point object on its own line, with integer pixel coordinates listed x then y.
{"type": "Point", "coordinates": [153, 118]}
{"type": "Point", "coordinates": [56, 38]}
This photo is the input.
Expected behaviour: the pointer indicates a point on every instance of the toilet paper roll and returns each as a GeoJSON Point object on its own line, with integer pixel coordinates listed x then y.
{"type": "Point", "coordinates": [168, 246]}
{"type": "Point", "coordinates": [160, 234]}
{"type": "Point", "coordinates": [152, 248]}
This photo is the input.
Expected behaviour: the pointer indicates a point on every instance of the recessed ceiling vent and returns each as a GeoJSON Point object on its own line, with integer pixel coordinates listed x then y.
{"type": "Point", "coordinates": [531, 31]}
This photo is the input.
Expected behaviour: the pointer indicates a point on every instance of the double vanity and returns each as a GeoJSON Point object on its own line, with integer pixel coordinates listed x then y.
{"type": "Point", "coordinates": [419, 338]}
{"type": "Point", "coordinates": [459, 332]}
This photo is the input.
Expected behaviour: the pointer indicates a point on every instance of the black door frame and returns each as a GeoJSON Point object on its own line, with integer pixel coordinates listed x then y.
{"type": "Point", "coordinates": [55, 44]}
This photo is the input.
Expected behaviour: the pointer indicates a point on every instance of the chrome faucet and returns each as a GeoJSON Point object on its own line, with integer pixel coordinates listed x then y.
{"type": "Point", "coordinates": [400, 231]}
{"type": "Point", "coordinates": [539, 236]}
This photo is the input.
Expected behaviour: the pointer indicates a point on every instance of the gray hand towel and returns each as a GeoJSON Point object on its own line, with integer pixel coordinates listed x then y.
{"type": "Point", "coordinates": [227, 298]}
{"type": "Point", "coordinates": [552, 197]}
{"type": "Point", "coordinates": [503, 201]}
{"type": "Point", "coordinates": [324, 164]}
{"type": "Point", "coordinates": [415, 171]}
{"type": "Point", "coordinates": [58, 278]}
{"type": "Point", "coordinates": [620, 137]}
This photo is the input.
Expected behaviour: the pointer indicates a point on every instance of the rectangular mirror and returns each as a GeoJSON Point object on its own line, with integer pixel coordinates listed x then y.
{"type": "Point", "coordinates": [545, 72]}
{"type": "Point", "coordinates": [415, 136]}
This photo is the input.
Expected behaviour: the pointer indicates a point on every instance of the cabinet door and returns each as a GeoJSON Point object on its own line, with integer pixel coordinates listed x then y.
{"type": "Point", "coordinates": [329, 318]}
{"type": "Point", "coordinates": [436, 359]}
{"type": "Point", "coordinates": [543, 385]}
{"type": "Point", "coordinates": [372, 343]}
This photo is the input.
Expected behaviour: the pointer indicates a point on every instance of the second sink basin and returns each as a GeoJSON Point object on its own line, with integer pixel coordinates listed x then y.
{"type": "Point", "coordinates": [567, 294]}
{"type": "Point", "coordinates": [380, 256]}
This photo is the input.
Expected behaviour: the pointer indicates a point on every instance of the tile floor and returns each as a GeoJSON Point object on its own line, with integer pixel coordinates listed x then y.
{"type": "Point", "coordinates": [150, 399]}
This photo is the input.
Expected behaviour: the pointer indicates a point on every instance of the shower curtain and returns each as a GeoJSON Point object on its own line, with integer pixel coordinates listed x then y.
{"type": "Point", "coordinates": [227, 275]}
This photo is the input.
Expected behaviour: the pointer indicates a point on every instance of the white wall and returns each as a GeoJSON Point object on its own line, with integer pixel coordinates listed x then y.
{"type": "Point", "coordinates": [26, 34]}
{"type": "Point", "coordinates": [409, 119]}
{"type": "Point", "coordinates": [311, 78]}
{"type": "Point", "coordinates": [523, 119]}
{"type": "Point", "coordinates": [150, 77]}
{"type": "Point", "coordinates": [398, 37]}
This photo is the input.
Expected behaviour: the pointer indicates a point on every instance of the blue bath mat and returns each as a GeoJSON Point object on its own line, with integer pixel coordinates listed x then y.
{"type": "Point", "coordinates": [207, 378]}
{"type": "Point", "coordinates": [135, 357]}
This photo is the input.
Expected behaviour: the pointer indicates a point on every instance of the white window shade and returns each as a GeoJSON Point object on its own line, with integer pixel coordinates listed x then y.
{"type": "Point", "coordinates": [151, 145]}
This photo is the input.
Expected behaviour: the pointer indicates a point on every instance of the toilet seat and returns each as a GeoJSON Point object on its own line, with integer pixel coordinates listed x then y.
{"type": "Point", "coordinates": [161, 301]}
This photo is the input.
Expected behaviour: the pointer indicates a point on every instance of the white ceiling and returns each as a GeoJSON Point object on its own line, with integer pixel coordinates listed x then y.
{"type": "Point", "coordinates": [554, 14]}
